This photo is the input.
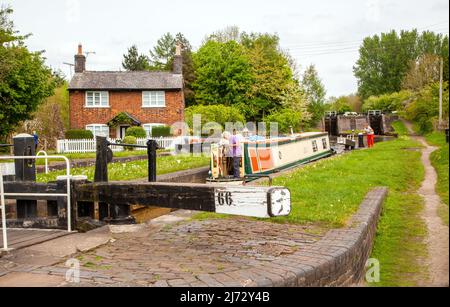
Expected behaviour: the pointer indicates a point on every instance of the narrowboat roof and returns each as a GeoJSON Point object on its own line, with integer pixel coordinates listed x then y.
{"type": "Point", "coordinates": [296, 137]}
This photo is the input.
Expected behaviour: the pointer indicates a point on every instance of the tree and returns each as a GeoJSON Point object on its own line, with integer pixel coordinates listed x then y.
{"type": "Point", "coordinates": [272, 74]}
{"type": "Point", "coordinates": [293, 98]}
{"type": "Point", "coordinates": [339, 105]}
{"type": "Point", "coordinates": [315, 93]}
{"type": "Point", "coordinates": [286, 119]}
{"type": "Point", "coordinates": [162, 54]}
{"type": "Point", "coordinates": [231, 33]}
{"type": "Point", "coordinates": [350, 103]}
{"type": "Point", "coordinates": [48, 123]}
{"type": "Point", "coordinates": [133, 61]}
{"type": "Point", "coordinates": [261, 71]}
{"type": "Point", "coordinates": [162, 57]}
{"type": "Point", "coordinates": [424, 108]}
{"type": "Point", "coordinates": [214, 113]}
{"type": "Point", "coordinates": [25, 81]}
{"type": "Point", "coordinates": [223, 74]}
{"type": "Point", "coordinates": [188, 68]}
{"type": "Point", "coordinates": [385, 59]}
{"type": "Point", "coordinates": [389, 102]}
{"type": "Point", "coordinates": [423, 72]}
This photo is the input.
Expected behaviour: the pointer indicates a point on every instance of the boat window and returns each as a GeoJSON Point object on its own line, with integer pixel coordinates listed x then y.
{"type": "Point", "coordinates": [325, 143]}
{"type": "Point", "coordinates": [315, 147]}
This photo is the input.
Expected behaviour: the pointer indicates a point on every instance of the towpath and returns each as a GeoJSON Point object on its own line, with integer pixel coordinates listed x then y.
{"type": "Point", "coordinates": [438, 232]}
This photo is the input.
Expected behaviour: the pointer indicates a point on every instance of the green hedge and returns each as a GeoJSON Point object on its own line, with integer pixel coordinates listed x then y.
{"type": "Point", "coordinates": [137, 132]}
{"type": "Point", "coordinates": [161, 131]}
{"type": "Point", "coordinates": [79, 134]}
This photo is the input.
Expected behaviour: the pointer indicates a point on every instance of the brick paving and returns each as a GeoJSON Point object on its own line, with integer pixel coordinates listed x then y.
{"type": "Point", "coordinates": [233, 252]}
{"type": "Point", "coordinates": [194, 253]}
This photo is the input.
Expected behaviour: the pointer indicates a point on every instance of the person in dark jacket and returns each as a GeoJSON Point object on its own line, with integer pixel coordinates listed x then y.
{"type": "Point", "coordinates": [36, 140]}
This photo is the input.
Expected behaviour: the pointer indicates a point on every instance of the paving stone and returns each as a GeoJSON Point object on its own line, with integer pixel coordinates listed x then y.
{"type": "Point", "coordinates": [233, 252]}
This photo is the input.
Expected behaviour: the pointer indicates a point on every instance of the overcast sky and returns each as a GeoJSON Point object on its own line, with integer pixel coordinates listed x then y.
{"type": "Point", "coordinates": [326, 33]}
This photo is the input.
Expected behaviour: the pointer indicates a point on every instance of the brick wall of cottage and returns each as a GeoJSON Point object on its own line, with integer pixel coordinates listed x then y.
{"type": "Point", "coordinates": [125, 101]}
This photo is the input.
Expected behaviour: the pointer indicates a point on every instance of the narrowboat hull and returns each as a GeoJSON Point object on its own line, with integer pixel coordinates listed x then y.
{"type": "Point", "coordinates": [270, 156]}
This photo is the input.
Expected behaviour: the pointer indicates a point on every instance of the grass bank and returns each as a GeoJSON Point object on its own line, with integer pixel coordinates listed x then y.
{"type": "Point", "coordinates": [330, 191]}
{"type": "Point", "coordinates": [400, 128]}
{"type": "Point", "coordinates": [89, 155]}
{"type": "Point", "coordinates": [136, 169]}
{"type": "Point", "coordinates": [440, 161]}
{"type": "Point", "coordinates": [399, 244]}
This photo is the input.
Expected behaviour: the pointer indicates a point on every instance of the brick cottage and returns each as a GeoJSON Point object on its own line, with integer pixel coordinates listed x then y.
{"type": "Point", "coordinates": [109, 102]}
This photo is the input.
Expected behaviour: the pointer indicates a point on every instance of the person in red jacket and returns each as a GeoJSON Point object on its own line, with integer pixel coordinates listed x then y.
{"type": "Point", "coordinates": [370, 136]}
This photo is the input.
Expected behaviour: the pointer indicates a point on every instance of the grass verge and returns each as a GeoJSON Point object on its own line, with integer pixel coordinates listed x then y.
{"type": "Point", "coordinates": [329, 192]}
{"type": "Point", "coordinates": [399, 244]}
{"type": "Point", "coordinates": [440, 161]}
{"type": "Point", "coordinates": [89, 155]}
{"type": "Point", "coordinates": [136, 169]}
{"type": "Point", "coordinates": [400, 128]}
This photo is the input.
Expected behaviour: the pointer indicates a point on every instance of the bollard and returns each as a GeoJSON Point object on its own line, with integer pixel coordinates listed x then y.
{"type": "Point", "coordinates": [361, 140]}
{"type": "Point", "coordinates": [25, 171]}
{"type": "Point", "coordinates": [118, 214]}
{"type": "Point", "coordinates": [152, 146]}
{"type": "Point", "coordinates": [101, 161]}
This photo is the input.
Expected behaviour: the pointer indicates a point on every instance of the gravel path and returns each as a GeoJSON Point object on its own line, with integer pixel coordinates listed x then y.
{"type": "Point", "coordinates": [438, 232]}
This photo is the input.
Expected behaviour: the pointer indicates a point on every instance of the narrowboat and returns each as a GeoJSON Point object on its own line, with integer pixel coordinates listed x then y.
{"type": "Point", "coordinates": [267, 156]}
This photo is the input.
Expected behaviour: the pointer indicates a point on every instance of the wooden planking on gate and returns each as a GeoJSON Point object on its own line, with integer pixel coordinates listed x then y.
{"type": "Point", "coordinates": [262, 202]}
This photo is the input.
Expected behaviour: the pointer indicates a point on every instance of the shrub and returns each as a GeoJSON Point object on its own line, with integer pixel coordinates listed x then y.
{"type": "Point", "coordinates": [388, 102]}
{"type": "Point", "coordinates": [424, 109]}
{"type": "Point", "coordinates": [137, 132]}
{"type": "Point", "coordinates": [161, 131]}
{"type": "Point", "coordinates": [286, 118]}
{"type": "Point", "coordinates": [131, 140]}
{"type": "Point", "coordinates": [215, 113]}
{"type": "Point", "coordinates": [79, 134]}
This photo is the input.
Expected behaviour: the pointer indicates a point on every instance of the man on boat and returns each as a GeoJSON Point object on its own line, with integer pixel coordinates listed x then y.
{"type": "Point", "coordinates": [236, 151]}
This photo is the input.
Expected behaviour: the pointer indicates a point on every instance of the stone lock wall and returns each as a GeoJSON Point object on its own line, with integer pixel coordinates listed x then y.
{"type": "Point", "coordinates": [336, 260]}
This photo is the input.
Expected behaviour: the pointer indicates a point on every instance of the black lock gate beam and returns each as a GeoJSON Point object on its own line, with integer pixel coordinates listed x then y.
{"type": "Point", "coordinates": [120, 212]}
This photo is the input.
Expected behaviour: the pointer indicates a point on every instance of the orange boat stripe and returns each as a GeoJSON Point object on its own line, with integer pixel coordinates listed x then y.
{"type": "Point", "coordinates": [254, 160]}
{"type": "Point", "coordinates": [265, 157]}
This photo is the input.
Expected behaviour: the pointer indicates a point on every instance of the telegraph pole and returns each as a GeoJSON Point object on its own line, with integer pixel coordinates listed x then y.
{"type": "Point", "coordinates": [440, 93]}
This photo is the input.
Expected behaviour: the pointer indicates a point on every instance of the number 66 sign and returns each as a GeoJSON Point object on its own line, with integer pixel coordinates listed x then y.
{"type": "Point", "coordinates": [261, 202]}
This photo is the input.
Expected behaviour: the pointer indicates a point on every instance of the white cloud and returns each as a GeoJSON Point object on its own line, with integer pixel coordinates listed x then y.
{"type": "Point", "coordinates": [73, 11]}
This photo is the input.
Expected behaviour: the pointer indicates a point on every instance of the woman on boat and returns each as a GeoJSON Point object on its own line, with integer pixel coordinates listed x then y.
{"type": "Point", "coordinates": [370, 136]}
{"type": "Point", "coordinates": [236, 151]}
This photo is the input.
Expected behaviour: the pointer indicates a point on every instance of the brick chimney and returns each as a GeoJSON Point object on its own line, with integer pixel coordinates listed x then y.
{"type": "Point", "coordinates": [178, 61]}
{"type": "Point", "coordinates": [80, 60]}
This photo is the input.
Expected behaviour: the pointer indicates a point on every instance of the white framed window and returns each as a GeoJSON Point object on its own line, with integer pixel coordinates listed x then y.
{"type": "Point", "coordinates": [324, 144]}
{"type": "Point", "coordinates": [153, 99]}
{"type": "Point", "coordinates": [97, 99]}
{"type": "Point", "coordinates": [315, 146]}
{"type": "Point", "coordinates": [98, 130]}
{"type": "Point", "coordinates": [148, 128]}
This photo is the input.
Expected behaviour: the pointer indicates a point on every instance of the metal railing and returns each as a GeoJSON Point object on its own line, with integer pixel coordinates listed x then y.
{"type": "Point", "coordinates": [3, 194]}
{"type": "Point", "coordinates": [46, 159]}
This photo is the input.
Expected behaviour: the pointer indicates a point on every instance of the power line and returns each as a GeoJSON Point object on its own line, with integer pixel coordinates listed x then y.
{"type": "Point", "coordinates": [316, 45]}
{"type": "Point", "coordinates": [381, 46]}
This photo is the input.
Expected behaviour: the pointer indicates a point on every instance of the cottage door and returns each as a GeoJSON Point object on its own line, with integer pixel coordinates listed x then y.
{"type": "Point", "coordinates": [123, 131]}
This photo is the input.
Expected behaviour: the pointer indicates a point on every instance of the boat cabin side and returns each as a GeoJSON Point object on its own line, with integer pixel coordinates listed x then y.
{"type": "Point", "coordinates": [269, 156]}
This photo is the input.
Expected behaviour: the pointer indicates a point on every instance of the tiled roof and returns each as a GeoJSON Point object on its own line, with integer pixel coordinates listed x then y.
{"type": "Point", "coordinates": [133, 80]}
